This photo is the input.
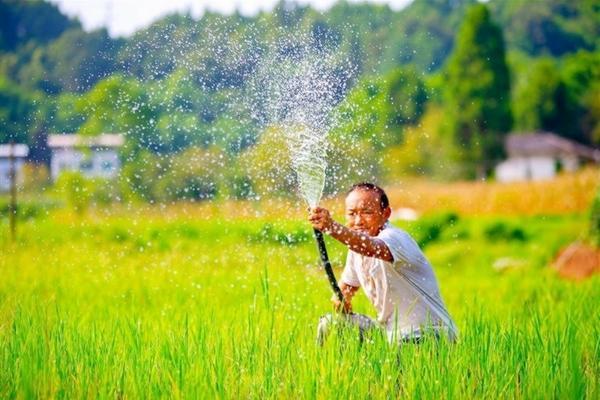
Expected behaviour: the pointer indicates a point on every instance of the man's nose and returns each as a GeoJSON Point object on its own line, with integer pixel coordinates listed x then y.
{"type": "Point", "coordinates": [357, 219]}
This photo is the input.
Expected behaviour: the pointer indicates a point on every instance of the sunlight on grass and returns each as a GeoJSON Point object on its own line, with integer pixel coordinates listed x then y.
{"type": "Point", "coordinates": [135, 307]}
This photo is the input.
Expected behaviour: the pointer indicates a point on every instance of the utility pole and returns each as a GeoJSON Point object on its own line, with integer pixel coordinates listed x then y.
{"type": "Point", "coordinates": [12, 174]}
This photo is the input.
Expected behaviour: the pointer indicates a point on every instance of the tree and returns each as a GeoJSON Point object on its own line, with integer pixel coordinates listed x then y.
{"type": "Point", "coordinates": [364, 113]}
{"type": "Point", "coordinates": [74, 62]}
{"type": "Point", "coordinates": [541, 101]}
{"type": "Point", "coordinates": [119, 105]}
{"type": "Point", "coordinates": [22, 21]}
{"type": "Point", "coordinates": [17, 108]}
{"type": "Point", "coordinates": [423, 33]}
{"type": "Point", "coordinates": [580, 73]}
{"type": "Point", "coordinates": [478, 92]}
{"type": "Point", "coordinates": [407, 96]}
{"type": "Point", "coordinates": [549, 27]}
{"type": "Point", "coordinates": [423, 151]}
{"type": "Point", "coordinates": [194, 174]}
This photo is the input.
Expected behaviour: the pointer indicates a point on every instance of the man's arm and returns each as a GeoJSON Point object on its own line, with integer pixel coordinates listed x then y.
{"type": "Point", "coordinates": [356, 241]}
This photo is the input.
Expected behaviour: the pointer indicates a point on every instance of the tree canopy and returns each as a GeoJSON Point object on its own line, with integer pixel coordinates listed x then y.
{"type": "Point", "coordinates": [478, 90]}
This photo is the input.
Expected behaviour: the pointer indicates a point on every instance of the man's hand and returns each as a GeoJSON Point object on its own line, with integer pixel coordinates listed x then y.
{"type": "Point", "coordinates": [348, 292]}
{"type": "Point", "coordinates": [320, 219]}
{"type": "Point", "coordinates": [345, 308]}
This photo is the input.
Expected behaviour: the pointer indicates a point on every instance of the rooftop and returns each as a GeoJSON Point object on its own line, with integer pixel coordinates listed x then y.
{"type": "Point", "coordinates": [72, 140]}
{"type": "Point", "coordinates": [546, 143]}
{"type": "Point", "coordinates": [19, 150]}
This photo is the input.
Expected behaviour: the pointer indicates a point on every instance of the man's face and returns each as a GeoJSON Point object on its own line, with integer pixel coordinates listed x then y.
{"type": "Point", "coordinates": [364, 212]}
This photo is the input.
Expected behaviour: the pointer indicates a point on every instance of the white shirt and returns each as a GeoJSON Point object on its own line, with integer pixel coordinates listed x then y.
{"type": "Point", "coordinates": [404, 292]}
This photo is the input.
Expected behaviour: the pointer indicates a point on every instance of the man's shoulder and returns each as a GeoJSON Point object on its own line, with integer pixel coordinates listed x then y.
{"type": "Point", "coordinates": [390, 230]}
{"type": "Point", "coordinates": [400, 242]}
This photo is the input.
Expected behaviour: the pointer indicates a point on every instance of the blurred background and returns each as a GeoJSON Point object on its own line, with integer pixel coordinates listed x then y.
{"type": "Point", "coordinates": [448, 90]}
{"type": "Point", "coordinates": [153, 242]}
{"type": "Point", "coordinates": [474, 107]}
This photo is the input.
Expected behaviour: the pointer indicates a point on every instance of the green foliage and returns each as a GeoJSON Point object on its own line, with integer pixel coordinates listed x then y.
{"type": "Point", "coordinates": [478, 91]}
{"type": "Point", "coordinates": [364, 112]}
{"type": "Point", "coordinates": [423, 152]}
{"type": "Point", "coordinates": [581, 76]}
{"type": "Point", "coordinates": [91, 58]}
{"type": "Point", "coordinates": [32, 20]}
{"type": "Point", "coordinates": [501, 231]}
{"type": "Point", "coordinates": [119, 105]}
{"type": "Point", "coordinates": [176, 131]}
{"type": "Point", "coordinates": [429, 230]}
{"type": "Point", "coordinates": [560, 96]}
{"type": "Point", "coordinates": [27, 209]}
{"type": "Point", "coordinates": [549, 27]}
{"type": "Point", "coordinates": [349, 161]}
{"type": "Point", "coordinates": [65, 113]}
{"type": "Point", "coordinates": [76, 190]}
{"type": "Point", "coordinates": [139, 176]}
{"type": "Point", "coordinates": [80, 192]}
{"type": "Point", "coordinates": [17, 112]}
{"type": "Point", "coordinates": [407, 97]}
{"type": "Point", "coordinates": [378, 109]}
{"type": "Point", "coordinates": [541, 101]}
{"type": "Point", "coordinates": [422, 34]}
{"type": "Point", "coordinates": [194, 174]}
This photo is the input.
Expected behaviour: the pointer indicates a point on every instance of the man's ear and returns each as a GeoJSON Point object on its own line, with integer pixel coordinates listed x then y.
{"type": "Point", "coordinates": [387, 212]}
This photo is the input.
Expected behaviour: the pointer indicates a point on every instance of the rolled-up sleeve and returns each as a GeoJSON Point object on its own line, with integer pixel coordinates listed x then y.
{"type": "Point", "coordinates": [401, 245]}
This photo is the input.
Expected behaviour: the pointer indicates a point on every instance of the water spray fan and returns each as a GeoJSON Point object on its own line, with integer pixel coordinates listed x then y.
{"type": "Point", "coordinates": [298, 88]}
{"type": "Point", "coordinates": [308, 149]}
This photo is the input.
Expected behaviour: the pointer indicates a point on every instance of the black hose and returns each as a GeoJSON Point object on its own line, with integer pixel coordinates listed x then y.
{"type": "Point", "coordinates": [327, 265]}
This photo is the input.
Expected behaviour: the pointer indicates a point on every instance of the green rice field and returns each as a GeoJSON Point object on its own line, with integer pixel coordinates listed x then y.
{"type": "Point", "coordinates": [128, 305]}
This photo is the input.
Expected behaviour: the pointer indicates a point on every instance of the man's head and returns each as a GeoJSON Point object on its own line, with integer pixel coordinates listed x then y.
{"type": "Point", "coordinates": [367, 208]}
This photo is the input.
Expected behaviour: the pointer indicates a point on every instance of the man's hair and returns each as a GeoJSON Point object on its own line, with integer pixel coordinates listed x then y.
{"type": "Point", "coordinates": [383, 199]}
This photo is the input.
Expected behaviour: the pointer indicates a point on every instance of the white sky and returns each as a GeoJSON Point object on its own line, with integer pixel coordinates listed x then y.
{"type": "Point", "coordinates": [123, 17]}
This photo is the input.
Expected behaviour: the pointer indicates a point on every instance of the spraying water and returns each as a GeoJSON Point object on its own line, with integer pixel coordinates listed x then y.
{"type": "Point", "coordinates": [308, 159]}
{"type": "Point", "coordinates": [298, 85]}
{"type": "Point", "coordinates": [302, 83]}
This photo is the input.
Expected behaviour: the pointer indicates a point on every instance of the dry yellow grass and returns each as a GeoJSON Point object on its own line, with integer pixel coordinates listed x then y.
{"type": "Point", "coordinates": [568, 193]}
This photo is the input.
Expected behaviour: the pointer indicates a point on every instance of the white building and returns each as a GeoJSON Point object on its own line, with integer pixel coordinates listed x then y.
{"type": "Point", "coordinates": [19, 151]}
{"type": "Point", "coordinates": [93, 156]}
{"type": "Point", "coordinates": [539, 156]}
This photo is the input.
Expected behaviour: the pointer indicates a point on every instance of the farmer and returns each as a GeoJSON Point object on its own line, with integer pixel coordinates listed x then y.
{"type": "Point", "coordinates": [391, 268]}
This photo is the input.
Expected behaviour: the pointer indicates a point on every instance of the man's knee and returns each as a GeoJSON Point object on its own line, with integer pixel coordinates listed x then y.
{"type": "Point", "coordinates": [323, 328]}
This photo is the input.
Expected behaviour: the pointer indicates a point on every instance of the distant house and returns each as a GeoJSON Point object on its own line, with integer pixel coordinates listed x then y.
{"type": "Point", "coordinates": [19, 151]}
{"type": "Point", "coordinates": [93, 156]}
{"type": "Point", "coordinates": [538, 156]}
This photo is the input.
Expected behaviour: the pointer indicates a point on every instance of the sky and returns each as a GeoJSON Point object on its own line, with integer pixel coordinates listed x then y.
{"type": "Point", "coordinates": [124, 17]}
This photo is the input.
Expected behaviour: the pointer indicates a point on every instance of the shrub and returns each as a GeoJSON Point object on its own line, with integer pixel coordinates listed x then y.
{"type": "Point", "coordinates": [429, 230]}
{"type": "Point", "coordinates": [75, 189]}
{"type": "Point", "coordinates": [27, 210]}
{"type": "Point", "coordinates": [502, 231]}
